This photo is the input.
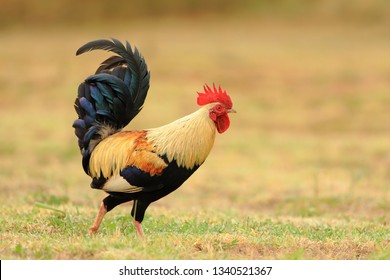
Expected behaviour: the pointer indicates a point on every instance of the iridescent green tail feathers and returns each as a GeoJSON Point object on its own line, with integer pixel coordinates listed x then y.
{"type": "Point", "coordinates": [108, 100]}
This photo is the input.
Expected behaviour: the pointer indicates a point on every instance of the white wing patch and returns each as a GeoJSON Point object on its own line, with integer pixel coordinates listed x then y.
{"type": "Point", "coordinates": [119, 184]}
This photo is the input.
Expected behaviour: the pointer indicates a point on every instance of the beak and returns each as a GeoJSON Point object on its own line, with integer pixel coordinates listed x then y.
{"type": "Point", "coordinates": [231, 110]}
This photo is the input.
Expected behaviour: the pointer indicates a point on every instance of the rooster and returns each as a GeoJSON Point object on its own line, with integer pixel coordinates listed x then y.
{"type": "Point", "coordinates": [143, 165]}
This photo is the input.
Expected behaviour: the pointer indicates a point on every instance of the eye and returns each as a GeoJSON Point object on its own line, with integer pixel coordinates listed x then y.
{"type": "Point", "coordinates": [218, 107]}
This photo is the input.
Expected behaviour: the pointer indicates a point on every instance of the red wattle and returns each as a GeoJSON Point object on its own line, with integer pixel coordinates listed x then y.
{"type": "Point", "coordinates": [222, 123]}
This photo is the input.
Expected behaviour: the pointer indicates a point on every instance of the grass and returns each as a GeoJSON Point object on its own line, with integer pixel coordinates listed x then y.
{"type": "Point", "coordinates": [303, 172]}
{"type": "Point", "coordinates": [196, 235]}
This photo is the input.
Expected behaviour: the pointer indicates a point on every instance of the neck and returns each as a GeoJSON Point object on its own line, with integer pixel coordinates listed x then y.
{"type": "Point", "coordinates": [187, 140]}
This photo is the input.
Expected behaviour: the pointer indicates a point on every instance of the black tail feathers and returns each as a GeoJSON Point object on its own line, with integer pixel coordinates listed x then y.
{"type": "Point", "coordinates": [110, 99]}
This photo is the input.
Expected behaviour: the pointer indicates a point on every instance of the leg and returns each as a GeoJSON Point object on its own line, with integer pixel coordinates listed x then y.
{"type": "Point", "coordinates": [138, 228]}
{"type": "Point", "coordinates": [107, 205]}
{"type": "Point", "coordinates": [138, 213]}
{"type": "Point", "coordinates": [99, 219]}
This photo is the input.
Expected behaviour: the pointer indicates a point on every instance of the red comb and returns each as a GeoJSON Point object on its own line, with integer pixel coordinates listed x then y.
{"type": "Point", "coordinates": [214, 95]}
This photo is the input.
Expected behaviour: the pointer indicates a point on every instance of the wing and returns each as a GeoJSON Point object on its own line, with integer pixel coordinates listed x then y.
{"type": "Point", "coordinates": [126, 162]}
{"type": "Point", "coordinates": [133, 180]}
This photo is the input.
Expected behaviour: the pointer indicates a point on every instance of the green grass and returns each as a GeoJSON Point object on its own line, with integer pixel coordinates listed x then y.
{"type": "Point", "coordinates": [36, 234]}
{"type": "Point", "coordinates": [302, 173]}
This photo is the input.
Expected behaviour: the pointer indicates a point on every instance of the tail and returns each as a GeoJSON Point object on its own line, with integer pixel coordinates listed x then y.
{"type": "Point", "coordinates": [110, 99]}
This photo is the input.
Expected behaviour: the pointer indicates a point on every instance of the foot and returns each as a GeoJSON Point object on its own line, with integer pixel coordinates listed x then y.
{"type": "Point", "coordinates": [93, 230]}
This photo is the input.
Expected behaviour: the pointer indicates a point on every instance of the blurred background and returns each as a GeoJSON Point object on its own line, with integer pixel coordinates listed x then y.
{"type": "Point", "coordinates": [89, 12]}
{"type": "Point", "coordinates": [310, 81]}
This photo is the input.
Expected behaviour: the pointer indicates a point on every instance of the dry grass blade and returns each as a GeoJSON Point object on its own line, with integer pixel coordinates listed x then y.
{"type": "Point", "coordinates": [59, 212]}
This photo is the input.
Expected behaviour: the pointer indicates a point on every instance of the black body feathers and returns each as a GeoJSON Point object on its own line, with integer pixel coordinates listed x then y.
{"type": "Point", "coordinates": [108, 100]}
